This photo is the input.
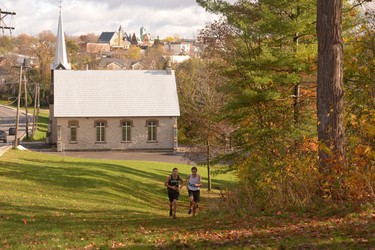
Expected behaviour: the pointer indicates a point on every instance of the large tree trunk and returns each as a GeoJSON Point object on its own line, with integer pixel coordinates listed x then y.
{"type": "Point", "coordinates": [330, 90]}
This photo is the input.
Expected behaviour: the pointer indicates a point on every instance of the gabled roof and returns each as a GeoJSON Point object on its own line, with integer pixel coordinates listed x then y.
{"type": "Point", "coordinates": [105, 61]}
{"type": "Point", "coordinates": [106, 37]}
{"type": "Point", "coordinates": [119, 93]}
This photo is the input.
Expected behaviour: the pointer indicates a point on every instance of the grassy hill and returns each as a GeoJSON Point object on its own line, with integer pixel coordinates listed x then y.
{"type": "Point", "coordinates": [52, 202]}
{"type": "Point", "coordinates": [60, 202]}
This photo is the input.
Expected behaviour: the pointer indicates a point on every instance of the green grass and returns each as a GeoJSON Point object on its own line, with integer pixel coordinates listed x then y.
{"type": "Point", "coordinates": [42, 126]}
{"type": "Point", "coordinates": [56, 202]}
{"type": "Point", "coordinates": [3, 102]}
{"type": "Point", "coordinates": [52, 202]}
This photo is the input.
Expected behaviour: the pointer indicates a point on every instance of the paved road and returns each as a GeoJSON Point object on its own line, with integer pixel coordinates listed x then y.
{"type": "Point", "coordinates": [8, 119]}
{"type": "Point", "coordinates": [8, 116]}
{"type": "Point", "coordinates": [169, 157]}
{"type": "Point", "coordinates": [137, 156]}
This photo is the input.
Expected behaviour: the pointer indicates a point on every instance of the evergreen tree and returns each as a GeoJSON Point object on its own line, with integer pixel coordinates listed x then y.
{"type": "Point", "coordinates": [269, 49]}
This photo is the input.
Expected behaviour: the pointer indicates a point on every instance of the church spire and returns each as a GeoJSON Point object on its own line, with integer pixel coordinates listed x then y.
{"type": "Point", "coordinates": [61, 59]}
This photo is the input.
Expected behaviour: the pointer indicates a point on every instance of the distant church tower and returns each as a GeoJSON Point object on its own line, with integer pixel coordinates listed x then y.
{"type": "Point", "coordinates": [142, 32]}
{"type": "Point", "coordinates": [60, 63]}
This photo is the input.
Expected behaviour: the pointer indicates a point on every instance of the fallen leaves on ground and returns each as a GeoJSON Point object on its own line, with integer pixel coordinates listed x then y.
{"type": "Point", "coordinates": [276, 232]}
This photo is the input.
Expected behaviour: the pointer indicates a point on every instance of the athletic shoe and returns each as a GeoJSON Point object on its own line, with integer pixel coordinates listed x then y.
{"type": "Point", "coordinates": [170, 212]}
{"type": "Point", "coordinates": [189, 212]}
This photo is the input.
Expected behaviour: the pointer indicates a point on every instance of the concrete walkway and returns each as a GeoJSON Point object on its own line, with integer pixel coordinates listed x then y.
{"type": "Point", "coordinates": [4, 148]}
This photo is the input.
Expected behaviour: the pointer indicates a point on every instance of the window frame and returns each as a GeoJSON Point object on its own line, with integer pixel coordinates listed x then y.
{"type": "Point", "coordinates": [126, 130]}
{"type": "Point", "coordinates": [73, 125]}
{"type": "Point", "coordinates": [152, 131]}
{"type": "Point", "coordinates": [101, 133]}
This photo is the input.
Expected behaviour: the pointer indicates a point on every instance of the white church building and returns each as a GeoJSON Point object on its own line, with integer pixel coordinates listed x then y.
{"type": "Point", "coordinates": [111, 109]}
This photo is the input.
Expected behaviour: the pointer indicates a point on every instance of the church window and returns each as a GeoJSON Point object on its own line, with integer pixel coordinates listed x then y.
{"type": "Point", "coordinates": [152, 130]}
{"type": "Point", "coordinates": [126, 126]}
{"type": "Point", "coordinates": [100, 130]}
{"type": "Point", "coordinates": [73, 125]}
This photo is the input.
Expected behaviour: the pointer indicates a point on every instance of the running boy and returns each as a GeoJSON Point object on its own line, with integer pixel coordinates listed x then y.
{"type": "Point", "coordinates": [172, 183]}
{"type": "Point", "coordinates": [193, 183]}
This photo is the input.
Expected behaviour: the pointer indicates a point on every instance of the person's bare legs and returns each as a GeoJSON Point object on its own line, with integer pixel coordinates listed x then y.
{"type": "Point", "coordinates": [174, 208]}
{"type": "Point", "coordinates": [195, 205]}
{"type": "Point", "coordinates": [191, 204]}
{"type": "Point", "coordinates": [170, 208]}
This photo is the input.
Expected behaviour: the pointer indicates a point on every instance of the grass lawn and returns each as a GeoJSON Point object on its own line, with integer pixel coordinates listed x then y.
{"type": "Point", "coordinates": [52, 202]}
{"type": "Point", "coordinates": [42, 126]}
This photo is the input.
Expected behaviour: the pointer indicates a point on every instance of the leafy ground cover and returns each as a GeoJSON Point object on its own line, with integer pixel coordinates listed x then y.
{"type": "Point", "coordinates": [52, 202]}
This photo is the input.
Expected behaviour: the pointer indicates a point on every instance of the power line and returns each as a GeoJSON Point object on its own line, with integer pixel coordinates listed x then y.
{"type": "Point", "coordinates": [3, 25]}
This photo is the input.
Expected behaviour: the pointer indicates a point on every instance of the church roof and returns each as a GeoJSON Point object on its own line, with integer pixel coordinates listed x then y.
{"type": "Point", "coordinates": [122, 93]}
{"type": "Point", "coordinates": [106, 37]}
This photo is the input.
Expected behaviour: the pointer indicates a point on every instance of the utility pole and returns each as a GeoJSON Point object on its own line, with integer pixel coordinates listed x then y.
{"type": "Point", "coordinates": [3, 26]}
{"type": "Point", "coordinates": [34, 112]}
{"type": "Point", "coordinates": [26, 104]}
{"type": "Point", "coordinates": [18, 109]}
{"type": "Point", "coordinates": [36, 108]}
{"type": "Point", "coordinates": [23, 65]}
{"type": "Point", "coordinates": [38, 105]}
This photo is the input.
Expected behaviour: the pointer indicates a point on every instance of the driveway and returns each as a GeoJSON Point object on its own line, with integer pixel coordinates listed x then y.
{"type": "Point", "coordinates": [110, 155]}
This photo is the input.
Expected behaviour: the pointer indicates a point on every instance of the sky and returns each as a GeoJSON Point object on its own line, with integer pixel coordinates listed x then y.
{"type": "Point", "coordinates": [161, 18]}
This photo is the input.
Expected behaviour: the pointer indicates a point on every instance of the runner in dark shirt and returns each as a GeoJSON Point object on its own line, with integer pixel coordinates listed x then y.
{"type": "Point", "coordinates": [173, 183]}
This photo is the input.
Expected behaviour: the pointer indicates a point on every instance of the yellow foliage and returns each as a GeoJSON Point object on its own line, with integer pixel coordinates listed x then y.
{"type": "Point", "coordinates": [353, 120]}
{"type": "Point", "coordinates": [361, 150]}
{"type": "Point", "coordinates": [323, 147]}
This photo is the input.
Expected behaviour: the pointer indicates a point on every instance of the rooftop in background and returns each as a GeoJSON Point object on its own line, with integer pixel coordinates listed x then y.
{"type": "Point", "coordinates": [106, 37]}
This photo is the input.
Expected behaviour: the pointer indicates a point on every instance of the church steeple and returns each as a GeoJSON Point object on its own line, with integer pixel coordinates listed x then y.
{"type": "Point", "coordinates": [61, 59]}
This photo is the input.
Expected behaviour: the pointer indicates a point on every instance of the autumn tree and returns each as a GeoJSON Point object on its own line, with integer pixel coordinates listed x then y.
{"type": "Point", "coordinates": [134, 53]}
{"type": "Point", "coordinates": [169, 39]}
{"type": "Point", "coordinates": [359, 72]}
{"type": "Point", "coordinates": [73, 49]}
{"type": "Point", "coordinates": [154, 58]}
{"type": "Point", "coordinates": [6, 44]}
{"type": "Point", "coordinates": [24, 44]}
{"type": "Point", "coordinates": [201, 102]}
{"type": "Point", "coordinates": [44, 49]}
{"type": "Point", "coordinates": [9, 77]}
{"type": "Point", "coordinates": [89, 38]}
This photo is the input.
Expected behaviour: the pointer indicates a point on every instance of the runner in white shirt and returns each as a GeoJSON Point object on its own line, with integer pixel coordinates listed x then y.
{"type": "Point", "coordinates": [193, 184]}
